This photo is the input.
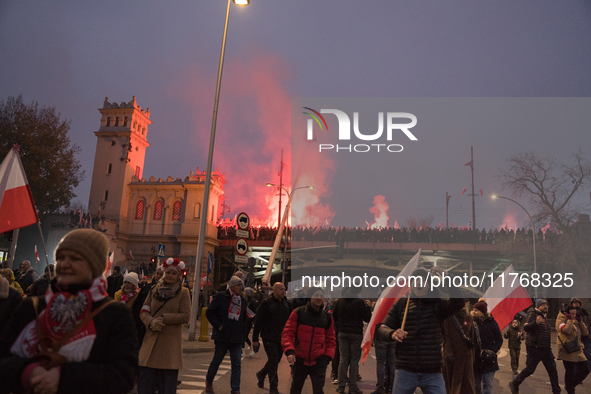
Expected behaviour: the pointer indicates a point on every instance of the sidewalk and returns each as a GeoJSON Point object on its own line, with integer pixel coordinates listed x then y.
{"type": "Point", "coordinates": [197, 346]}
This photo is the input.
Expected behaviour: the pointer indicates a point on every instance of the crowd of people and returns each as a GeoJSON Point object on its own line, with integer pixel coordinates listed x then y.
{"type": "Point", "coordinates": [72, 330]}
{"type": "Point", "coordinates": [422, 234]}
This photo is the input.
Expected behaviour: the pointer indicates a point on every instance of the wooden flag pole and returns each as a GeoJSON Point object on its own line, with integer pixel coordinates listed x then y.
{"type": "Point", "coordinates": [43, 243]}
{"type": "Point", "coordinates": [405, 312]}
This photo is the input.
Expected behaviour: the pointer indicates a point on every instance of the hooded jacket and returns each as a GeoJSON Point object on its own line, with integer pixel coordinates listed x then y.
{"type": "Point", "coordinates": [513, 336]}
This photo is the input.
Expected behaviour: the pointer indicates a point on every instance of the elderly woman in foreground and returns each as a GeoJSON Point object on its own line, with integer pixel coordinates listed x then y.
{"type": "Point", "coordinates": [74, 339]}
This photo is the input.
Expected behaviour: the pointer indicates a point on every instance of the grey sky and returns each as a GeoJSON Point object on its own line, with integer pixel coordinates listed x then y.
{"type": "Point", "coordinates": [72, 54]}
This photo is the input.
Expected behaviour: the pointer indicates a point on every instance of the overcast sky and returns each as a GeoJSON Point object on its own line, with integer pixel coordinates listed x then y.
{"type": "Point", "coordinates": [72, 55]}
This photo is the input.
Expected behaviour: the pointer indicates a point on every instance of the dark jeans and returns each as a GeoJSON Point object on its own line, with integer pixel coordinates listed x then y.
{"type": "Point", "coordinates": [350, 349]}
{"type": "Point", "coordinates": [317, 373]}
{"type": "Point", "coordinates": [336, 360]}
{"type": "Point", "coordinates": [163, 380]}
{"type": "Point", "coordinates": [385, 358]}
{"type": "Point", "coordinates": [274, 353]}
{"type": "Point", "coordinates": [534, 356]}
{"type": "Point", "coordinates": [514, 358]}
{"type": "Point", "coordinates": [221, 348]}
{"type": "Point", "coordinates": [575, 373]}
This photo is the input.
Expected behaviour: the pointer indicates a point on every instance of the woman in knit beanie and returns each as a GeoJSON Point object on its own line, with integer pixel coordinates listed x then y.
{"type": "Point", "coordinates": [72, 345]}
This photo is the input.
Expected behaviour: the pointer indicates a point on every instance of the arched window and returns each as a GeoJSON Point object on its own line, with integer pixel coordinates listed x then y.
{"type": "Point", "coordinates": [197, 212]}
{"type": "Point", "coordinates": [125, 122]}
{"type": "Point", "coordinates": [116, 121]}
{"type": "Point", "coordinates": [109, 168]}
{"type": "Point", "coordinates": [106, 195]}
{"type": "Point", "coordinates": [176, 211]}
{"type": "Point", "coordinates": [158, 208]}
{"type": "Point", "coordinates": [139, 210]}
{"type": "Point", "coordinates": [108, 122]}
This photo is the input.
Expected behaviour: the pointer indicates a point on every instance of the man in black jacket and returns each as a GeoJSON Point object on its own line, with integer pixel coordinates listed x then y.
{"type": "Point", "coordinates": [488, 337]}
{"type": "Point", "coordinates": [538, 347]}
{"type": "Point", "coordinates": [418, 351]}
{"type": "Point", "coordinates": [227, 314]}
{"type": "Point", "coordinates": [271, 317]}
{"type": "Point", "coordinates": [114, 282]}
{"type": "Point", "coordinates": [349, 314]}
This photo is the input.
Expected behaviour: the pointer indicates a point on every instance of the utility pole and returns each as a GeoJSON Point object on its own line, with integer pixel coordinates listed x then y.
{"type": "Point", "coordinates": [280, 188]}
{"type": "Point", "coordinates": [473, 203]}
{"type": "Point", "coordinates": [447, 197]}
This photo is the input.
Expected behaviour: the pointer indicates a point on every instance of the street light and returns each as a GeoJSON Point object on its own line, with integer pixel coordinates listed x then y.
{"type": "Point", "coordinates": [494, 196]}
{"type": "Point", "coordinates": [200, 243]}
{"type": "Point", "coordinates": [267, 276]}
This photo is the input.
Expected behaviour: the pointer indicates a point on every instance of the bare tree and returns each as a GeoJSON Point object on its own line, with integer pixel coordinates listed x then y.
{"type": "Point", "coordinates": [417, 222]}
{"type": "Point", "coordinates": [549, 184]}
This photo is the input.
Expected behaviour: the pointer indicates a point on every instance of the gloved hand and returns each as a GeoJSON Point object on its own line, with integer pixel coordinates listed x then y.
{"type": "Point", "coordinates": [323, 360]}
{"type": "Point", "coordinates": [156, 325]}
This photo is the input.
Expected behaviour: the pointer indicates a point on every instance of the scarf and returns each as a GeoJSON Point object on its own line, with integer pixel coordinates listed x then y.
{"type": "Point", "coordinates": [235, 306]}
{"type": "Point", "coordinates": [165, 291]}
{"type": "Point", "coordinates": [126, 296]}
{"type": "Point", "coordinates": [63, 311]}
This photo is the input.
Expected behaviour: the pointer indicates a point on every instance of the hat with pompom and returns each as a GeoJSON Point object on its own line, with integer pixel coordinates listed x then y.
{"type": "Point", "coordinates": [173, 264]}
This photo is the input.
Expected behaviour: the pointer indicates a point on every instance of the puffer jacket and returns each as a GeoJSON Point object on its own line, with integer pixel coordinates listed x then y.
{"type": "Point", "coordinates": [570, 332]}
{"type": "Point", "coordinates": [537, 335]}
{"type": "Point", "coordinates": [420, 351]}
{"type": "Point", "coordinates": [309, 334]}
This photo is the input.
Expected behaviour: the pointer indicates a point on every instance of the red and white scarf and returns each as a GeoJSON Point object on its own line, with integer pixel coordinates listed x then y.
{"type": "Point", "coordinates": [63, 311]}
{"type": "Point", "coordinates": [235, 306]}
{"type": "Point", "coordinates": [125, 296]}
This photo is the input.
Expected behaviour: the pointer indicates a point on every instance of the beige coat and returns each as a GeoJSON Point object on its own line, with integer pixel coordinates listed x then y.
{"type": "Point", "coordinates": [163, 350]}
{"type": "Point", "coordinates": [570, 332]}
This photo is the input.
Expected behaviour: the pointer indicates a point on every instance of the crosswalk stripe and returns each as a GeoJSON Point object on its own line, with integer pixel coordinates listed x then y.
{"type": "Point", "coordinates": [194, 384]}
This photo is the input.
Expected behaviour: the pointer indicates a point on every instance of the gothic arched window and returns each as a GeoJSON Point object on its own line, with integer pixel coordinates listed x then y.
{"type": "Point", "coordinates": [158, 208]}
{"type": "Point", "coordinates": [139, 210]}
{"type": "Point", "coordinates": [176, 211]}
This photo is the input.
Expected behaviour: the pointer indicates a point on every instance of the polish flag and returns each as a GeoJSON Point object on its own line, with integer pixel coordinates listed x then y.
{"type": "Point", "coordinates": [109, 265]}
{"type": "Point", "coordinates": [129, 255]}
{"type": "Point", "coordinates": [17, 208]}
{"type": "Point", "coordinates": [481, 192]}
{"type": "Point", "coordinates": [464, 190]}
{"type": "Point", "coordinates": [504, 302]}
{"type": "Point", "coordinates": [396, 226]}
{"type": "Point", "coordinates": [36, 254]}
{"type": "Point", "coordinates": [385, 302]}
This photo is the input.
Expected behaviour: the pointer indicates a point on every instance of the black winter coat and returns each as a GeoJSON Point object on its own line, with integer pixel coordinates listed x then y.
{"type": "Point", "coordinates": [271, 317]}
{"type": "Point", "coordinates": [537, 335]}
{"type": "Point", "coordinates": [491, 339]}
{"type": "Point", "coordinates": [110, 367]}
{"type": "Point", "coordinates": [420, 351]}
{"type": "Point", "coordinates": [8, 306]}
{"type": "Point", "coordinates": [349, 315]}
{"type": "Point", "coordinates": [232, 331]}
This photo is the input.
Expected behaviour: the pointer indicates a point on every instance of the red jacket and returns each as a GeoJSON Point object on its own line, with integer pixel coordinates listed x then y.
{"type": "Point", "coordinates": [309, 334]}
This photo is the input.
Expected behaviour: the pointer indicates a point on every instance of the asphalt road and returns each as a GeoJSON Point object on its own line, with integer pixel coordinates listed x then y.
{"type": "Point", "coordinates": [193, 376]}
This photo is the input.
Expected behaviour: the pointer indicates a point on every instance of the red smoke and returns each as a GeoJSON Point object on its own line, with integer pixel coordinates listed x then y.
{"type": "Point", "coordinates": [510, 222]}
{"type": "Point", "coordinates": [380, 212]}
{"type": "Point", "coordinates": [253, 126]}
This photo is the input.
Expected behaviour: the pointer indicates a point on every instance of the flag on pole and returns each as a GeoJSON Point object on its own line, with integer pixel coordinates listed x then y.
{"type": "Point", "coordinates": [129, 255]}
{"type": "Point", "coordinates": [385, 302]}
{"type": "Point", "coordinates": [109, 264]}
{"type": "Point", "coordinates": [469, 163]}
{"type": "Point", "coordinates": [36, 254]}
{"type": "Point", "coordinates": [504, 302]}
{"type": "Point", "coordinates": [481, 192]}
{"type": "Point", "coordinates": [464, 190]}
{"type": "Point", "coordinates": [17, 208]}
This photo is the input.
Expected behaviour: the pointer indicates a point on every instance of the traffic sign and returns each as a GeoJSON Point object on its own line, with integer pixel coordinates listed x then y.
{"type": "Point", "coordinates": [240, 259]}
{"type": "Point", "coordinates": [243, 221]}
{"type": "Point", "coordinates": [161, 248]}
{"type": "Point", "coordinates": [242, 234]}
{"type": "Point", "coordinates": [241, 246]}
{"type": "Point", "coordinates": [209, 262]}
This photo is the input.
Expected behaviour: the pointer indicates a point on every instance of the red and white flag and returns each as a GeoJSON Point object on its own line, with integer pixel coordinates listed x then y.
{"type": "Point", "coordinates": [385, 302]}
{"type": "Point", "coordinates": [504, 302]}
{"type": "Point", "coordinates": [109, 264]}
{"type": "Point", "coordinates": [129, 255]}
{"type": "Point", "coordinates": [17, 208]}
{"type": "Point", "coordinates": [481, 192]}
{"type": "Point", "coordinates": [464, 190]}
{"type": "Point", "coordinates": [396, 226]}
{"type": "Point", "coordinates": [36, 253]}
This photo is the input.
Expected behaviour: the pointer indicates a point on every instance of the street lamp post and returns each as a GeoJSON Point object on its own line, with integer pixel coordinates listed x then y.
{"type": "Point", "coordinates": [267, 276]}
{"type": "Point", "coordinates": [202, 227]}
{"type": "Point", "coordinates": [494, 196]}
